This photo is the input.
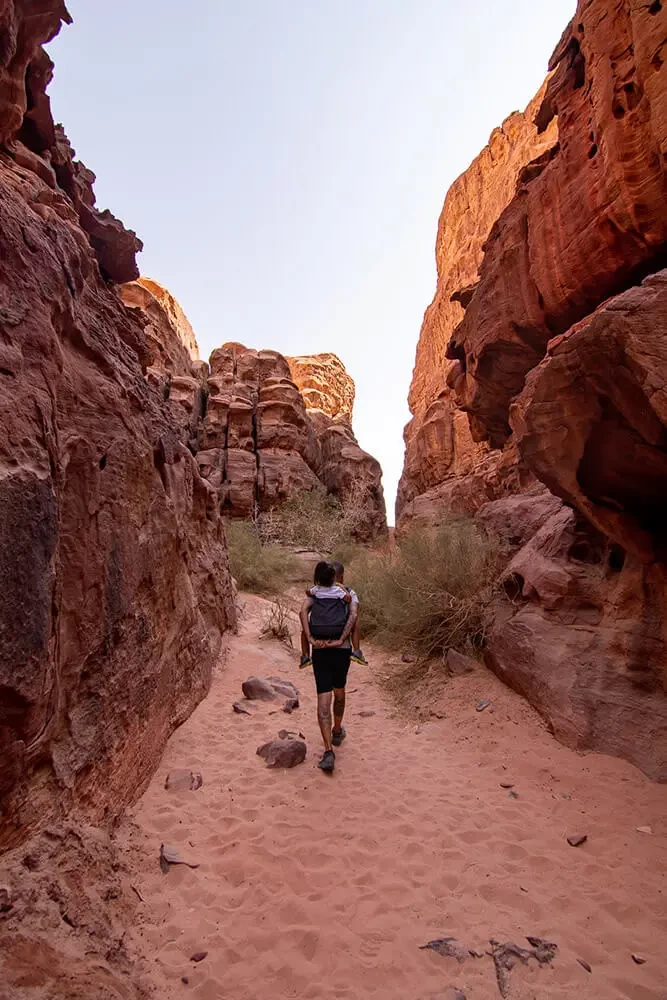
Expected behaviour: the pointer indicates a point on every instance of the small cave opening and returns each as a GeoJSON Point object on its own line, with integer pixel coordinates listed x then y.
{"type": "Point", "coordinates": [657, 62]}
{"type": "Point", "coordinates": [618, 110]}
{"type": "Point", "coordinates": [456, 352]}
{"type": "Point", "coordinates": [655, 7]}
{"type": "Point", "coordinates": [634, 93]}
{"type": "Point", "coordinates": [616, 558]}
{"type": "Point", "coordinates": [513, 586]}
{"type": "Point", "coordinates": [102, 462]}
{"type": "Point", "coordinates": [592, 151]}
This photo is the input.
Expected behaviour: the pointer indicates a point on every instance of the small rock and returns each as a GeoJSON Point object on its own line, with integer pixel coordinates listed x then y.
{"type": "Point", "coordinates": [366, 715]}
{"type": "Point", "coordinates": [198, 956]}
{"type": "Point", "coordinates": [170, 855]}
{"type": "Point", "coordinates": [644, 829]}
{"type": "Point", "coordinates": [454, 994]}
{"type": "Point", "coordinates": [5, 899]}
{"type": "Point", "coordinates": [447, 947]}
{"type": "Point", "coordinates": [438, 715]}
{"type": "Point", "coordinates": [474, 953]}
{"type": "Point", "coordinates": [269, 689]}
{"type": "Point", "coordinates": [638, 960]}
{"type": "Point", "coordinates": [418, 730]}
{"type": "Point", "coordinates": [408, 658]}
{"type": "Point", "coordinates": [241, 709]}
{"type": "Point", "coordinates": [290, 705]}
{"type": "Point", "coordinates": [184, 979]}
{"type": "Point", "coordinates": [577, 839]}
{"type": "Point", "coordinates": [512, 795]}
{"type": "Point", "coordinates": [283, 753]}
{"type": "Point", "coordinates": [183, 781]}
{"type": "Point", "coordinates": [584, 965]}
{"type": "Point", "coordinates": [506, 784]}
{"type": "Point", "coordinates": [458, 664]}
{"type": "Point", "coordinates": [523, 888]}
{"type": "Point", "coordinates": [483, 704]}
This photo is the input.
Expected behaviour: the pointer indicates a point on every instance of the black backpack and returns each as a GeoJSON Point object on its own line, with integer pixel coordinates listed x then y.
{"type": "Point", "coordinates": [328, 617]}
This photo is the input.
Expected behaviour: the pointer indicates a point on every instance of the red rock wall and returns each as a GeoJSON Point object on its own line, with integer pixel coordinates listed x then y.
{"type": "Point", "coordinates": [559, 363]}
{"type": "Point", "coordinates": [113, 567]}
{"type": "Point", "coordinates": [444, 466]}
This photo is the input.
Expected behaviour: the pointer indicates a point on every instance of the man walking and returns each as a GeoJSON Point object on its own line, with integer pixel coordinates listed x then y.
{"type": "Point", "coordinates": [328, 620]}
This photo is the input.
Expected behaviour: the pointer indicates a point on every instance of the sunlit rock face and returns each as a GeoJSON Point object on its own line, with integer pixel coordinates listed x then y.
{"type": "Point", "coordinates": [555, 369]}
{"type": "Point", "coordinates": [113, 565]}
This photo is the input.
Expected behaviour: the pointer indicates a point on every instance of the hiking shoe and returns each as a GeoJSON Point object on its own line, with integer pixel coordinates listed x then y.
{"type": "Point", "coordinates": [337, 738]}
{"type": "Point", "coordinates": [359, 657]}
{"type": "Point", "coordinates": [306, 661]}
{"type": "Point", "coordinates": [328, 761]}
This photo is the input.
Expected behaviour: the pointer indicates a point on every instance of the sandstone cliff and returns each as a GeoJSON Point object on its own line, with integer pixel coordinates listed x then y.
{"type": "Point", "coordinates": [444, 466]}
{"type": "Point", "coordinates": [113, 567]}
{"type": "Point", "coordinates": [262, 426]}
{"type": "Point", "coordinates": [559, 363]}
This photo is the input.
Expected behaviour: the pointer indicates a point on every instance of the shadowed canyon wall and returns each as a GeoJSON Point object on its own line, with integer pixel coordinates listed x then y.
{"type": "Point", "coordinates": [113, 566]}
{"type": "Point", "coordinates": [557, 362]}
{"type": "Point", "coordinates": [262, 426]}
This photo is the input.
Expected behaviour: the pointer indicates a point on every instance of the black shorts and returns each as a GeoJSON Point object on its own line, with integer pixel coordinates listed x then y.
{"type": "Point", "coordinates": [330, 666]}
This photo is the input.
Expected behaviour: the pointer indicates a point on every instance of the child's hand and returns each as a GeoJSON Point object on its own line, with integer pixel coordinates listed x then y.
{"type": "Point", "coordinates": [347, 598]}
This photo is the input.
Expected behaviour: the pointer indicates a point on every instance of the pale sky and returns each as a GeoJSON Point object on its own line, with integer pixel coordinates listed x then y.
{"type": "Point", "coordinates": [285, 162]}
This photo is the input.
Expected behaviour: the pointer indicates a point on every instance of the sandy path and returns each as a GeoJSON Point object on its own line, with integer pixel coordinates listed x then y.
{"type": "Point", "coordinates": [322, 887]}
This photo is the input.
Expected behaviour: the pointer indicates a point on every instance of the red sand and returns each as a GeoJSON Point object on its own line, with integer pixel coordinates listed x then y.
{"type": "Point", "coordinates": [320, 887]}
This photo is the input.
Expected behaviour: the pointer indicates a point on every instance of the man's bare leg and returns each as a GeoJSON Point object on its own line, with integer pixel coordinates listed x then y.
{"type": "Point", "coordinates": [324, 717]}
{"type": "Point", "coordinates": [338, 708]}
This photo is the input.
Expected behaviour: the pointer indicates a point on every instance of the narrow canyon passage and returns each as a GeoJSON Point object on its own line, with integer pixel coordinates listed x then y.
{"type": "Point", "coordinates": [323, 887]}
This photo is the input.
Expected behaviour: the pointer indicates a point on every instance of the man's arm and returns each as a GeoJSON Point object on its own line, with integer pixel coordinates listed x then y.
{"type": "Point", "coordinates": [349, 624]}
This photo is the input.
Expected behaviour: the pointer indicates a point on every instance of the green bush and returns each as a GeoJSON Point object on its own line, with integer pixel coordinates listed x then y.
{"type": "Point", "coordinates": [430, 591]}
{"type": "Point", "coordinates": [258, 567]}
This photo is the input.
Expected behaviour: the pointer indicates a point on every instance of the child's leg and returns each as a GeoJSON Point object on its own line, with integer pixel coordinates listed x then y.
{"type": "Point", "coordinates": [305, 645]}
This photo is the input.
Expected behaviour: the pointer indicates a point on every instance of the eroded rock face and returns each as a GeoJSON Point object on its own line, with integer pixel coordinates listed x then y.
{"type": "Point", "coordinates": [560, 365]}
{"type": "Point", "coordinates": [262, 427]}
{"type": "Point", "coordinates": [345, 469]}
{"type": "Point", "coordinates": [113, 567]}
{"type": "Point", "coordinates": [586, 221]}
{"type": "Point", "coordinates": [444, 466]}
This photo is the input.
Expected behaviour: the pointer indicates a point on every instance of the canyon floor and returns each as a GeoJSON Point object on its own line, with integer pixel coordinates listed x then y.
{"type": "Point", "coordinates": [320, 887]}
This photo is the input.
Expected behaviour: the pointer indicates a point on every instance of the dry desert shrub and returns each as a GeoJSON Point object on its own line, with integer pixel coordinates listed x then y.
{"type": "Point", "coordinates": [431, 591]}
{"type": "Point", "coordinates": [277, 623]}
{"type": "Point", "coordinates": [257, 567]}
{"type": "Point", "coordinates": [317, 520]}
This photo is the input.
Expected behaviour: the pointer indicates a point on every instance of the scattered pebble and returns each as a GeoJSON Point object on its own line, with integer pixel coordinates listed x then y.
{"type": "Point", "coordinates": [408, 658]}
{"type": "Point", "coordinates": [170, 855]}
{"type": "Point", "coordinates": [506, 784]}
{"type": "Point", "coordinates": [644, 829]}
{"type": "Point", "coordinates": [483, 704]}
{"type": "Point", "coordinates": [198, 956]}
{"type": "Point", "coordinates": [638, 960]}
{"type": "Point", "coordinates": [183, 781]}
{"type": "Point", "coordinates": [418, 730]}
{"type": "Point", "coordinates": [184, 979]}
{"type": "Point", "coordinates": [584, 965]}
{"type": "Point", "coordinates": [6, 903]}
{"type": "Point", "coordinates": [366, 715]}
{"type": "Point", "coordinates": [512, 795]}
{"type": "Point", "coordinates": [576, 840]}
{"type": "Point", "coordinates": [241, 709]}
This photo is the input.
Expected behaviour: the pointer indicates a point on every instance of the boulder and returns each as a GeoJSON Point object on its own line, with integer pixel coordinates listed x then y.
{"type": "Point", "coordinates": [283, 753]}
{"type": "Point", "coordinates": [269, 689]}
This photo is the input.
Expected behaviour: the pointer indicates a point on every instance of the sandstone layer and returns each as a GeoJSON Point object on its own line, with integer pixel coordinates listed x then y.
{"type": "Point", "coordinates": [113, 566]}
{"type": "Point", "coordinates": [559, 365]}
